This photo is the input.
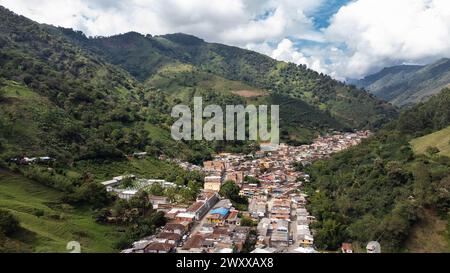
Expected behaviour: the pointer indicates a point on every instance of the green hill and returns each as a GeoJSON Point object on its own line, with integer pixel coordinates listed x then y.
{"type": "Point", "coordinates": [440, 140]}
{"type": "Point", "coordinates": [147, 56]}
{"type": "Point", "coordinates": [48, 226]}
{"type": "Point", "coordinates": [381, 190]}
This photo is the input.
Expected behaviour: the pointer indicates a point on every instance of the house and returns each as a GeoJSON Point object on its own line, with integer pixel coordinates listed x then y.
{"type": "Point", "coordinates": [158, 200]}
{"type": "Point", "coordinates": [347, 248]}
{"type": "Point", "coordinates": [176, 228]}
{"type": "Point", "coordinates": [169, 238]}
{"type": "Point", "coordinates": [127, 194]}
{"type": "Point", "coordinates": [236, 177]}
{"type": "Point", "coordinates": [193, 244]}
{"type": "Point", "coordinates": [172, 213]}
{"type": "Point", "coordinates": [156, 247]}
{"type": "Point", "coordinates": [306, 240]}
{"type": "Point", "coordinates": [217, 216]}
{"type": "Point", "coordinates": [209, 198]}
{"type": "Point", "coordinates": [224, 203]}
{"type": "Point", "coordinates": [213, 183]}
{"type": "Point", "coordinates": [232, 218]}
{"type": "Point", "coordinates": [199, 209]}
{"type": "Point", "coordinates": [280, 235]}
{"type": "Point", "coordinates": [185, 217]}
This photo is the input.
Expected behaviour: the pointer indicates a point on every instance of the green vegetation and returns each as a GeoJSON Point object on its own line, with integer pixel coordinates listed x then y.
{"type": "Point", "coordinates": [231, 191]}
{"type": "Point", "coordinates": [8, 223]}
{"type": "Point", "coordinates": [248, 222]}
{"type": "Point", "coordinates": [380, 189]}
{"type": "Point", "coordinates": [439, 140]}
{"type": "Point", "coordinates": [137, 216]}
{"type": "Point", "coordinates": [407, 85]}
{"type": "Point", "coordinates": [184, 64]}
{"type": "Point", "coordinates": [47, 225]}
{"type": "Point", "coordinates": [91, 102]}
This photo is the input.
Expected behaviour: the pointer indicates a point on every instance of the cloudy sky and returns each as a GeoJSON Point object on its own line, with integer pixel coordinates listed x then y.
{"type": "Point", "coordinates": [342, 38]}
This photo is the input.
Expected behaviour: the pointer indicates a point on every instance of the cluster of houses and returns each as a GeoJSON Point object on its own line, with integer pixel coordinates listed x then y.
{"type": "Point", "coordinates": [116, 185]}
{"type": "Point", "coordinates": [210, 225]}
{"type": "Point", "coordinates": [219, 232]}
{"type": "Point", "coordinates": [273, 186]}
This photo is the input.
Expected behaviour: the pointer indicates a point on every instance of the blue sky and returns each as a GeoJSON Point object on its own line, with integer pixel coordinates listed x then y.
{"type": "Point", "coordinates": [325, 11]}
{"type": "Point", "coordinates": [342, 38]}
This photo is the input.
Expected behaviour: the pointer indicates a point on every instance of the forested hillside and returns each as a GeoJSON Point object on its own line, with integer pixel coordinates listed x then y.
{"type": "Point", "coordinates": [146, 56]}
{"type": "Point", "coordinates": [380, 189]}
{"type": "Point", "coordinates": [406, 85]}
{"type": "Point", "coordinates": [63, 101]}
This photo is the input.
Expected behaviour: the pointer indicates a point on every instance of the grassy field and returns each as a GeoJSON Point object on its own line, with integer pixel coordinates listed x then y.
{"type": "Point", "coordinates": [440, 140]}
{"type": "Point", "coordinates": [58, 225]}
{"type": "Point", "coordinates": [430, 235]}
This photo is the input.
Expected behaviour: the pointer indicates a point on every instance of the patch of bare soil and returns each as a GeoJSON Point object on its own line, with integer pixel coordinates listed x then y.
{"type": "Point", "coordinates": [249, 93]}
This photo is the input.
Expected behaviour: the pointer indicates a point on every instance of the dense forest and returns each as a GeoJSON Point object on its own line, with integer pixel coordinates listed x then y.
{"type": "Point", "coordinates": [380, 189]}
{"type": "Point", "coordinates": [350, 106]}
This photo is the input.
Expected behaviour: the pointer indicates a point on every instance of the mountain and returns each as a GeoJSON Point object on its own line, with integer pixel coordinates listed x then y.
{"type": "Point", "coordinates": [386, 189]}
{"type": "Point", "coordinates": [63, 101]}
{"type": "Point", "coordinates": [408, 84]}
{"type": "Point", "coordinates": [148, 57]}
{"type": "Point", "coordinates": [77, 98]}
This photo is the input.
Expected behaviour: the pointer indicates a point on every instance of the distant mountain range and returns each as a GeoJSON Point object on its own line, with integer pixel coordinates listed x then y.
{"type": "Point", "coordinates": [406, 85]}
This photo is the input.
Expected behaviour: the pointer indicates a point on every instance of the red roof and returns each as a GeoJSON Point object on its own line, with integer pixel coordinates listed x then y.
{"type": "Point", "coordinates": [195, 207]}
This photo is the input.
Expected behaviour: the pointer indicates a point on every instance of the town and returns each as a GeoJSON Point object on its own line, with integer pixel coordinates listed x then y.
{"type": "Point", "coordinates": [276, 219]}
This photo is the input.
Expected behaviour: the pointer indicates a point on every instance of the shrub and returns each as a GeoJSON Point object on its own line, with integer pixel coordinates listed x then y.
{"type": "Point", "coordinates": [8, 222]}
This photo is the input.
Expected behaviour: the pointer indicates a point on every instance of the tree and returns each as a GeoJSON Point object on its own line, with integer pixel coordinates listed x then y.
{"type": "Point", "coordinates": [330, 235]}
{"type": "Point", "coordinates": [229, 190]}
{"type": "Point", "coordinates": [8, 222]}
{"type": "Point", "coordinates": [2, 94]}
{"type": "Point", "coordinates": [248, 222]}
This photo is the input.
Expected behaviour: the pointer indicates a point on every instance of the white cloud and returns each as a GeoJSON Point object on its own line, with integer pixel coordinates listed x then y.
{"type": "Point", "coordinates": [229, 21]}
{"type": "Point", "coordinates": [363, 36]}
{"type": "Point", "coordinates": [381, 33]}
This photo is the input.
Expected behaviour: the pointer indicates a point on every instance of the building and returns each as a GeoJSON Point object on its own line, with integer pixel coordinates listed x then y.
{"type": "Point", "coordinates": [185, 217]}
{"type": "Point", "coordinates": [168, 237]}
{"type": "Point", "coordinates": [127, 194]}
{"type": "Point", "coordinates": [156, 247]}
{"type": "Point", "coordinates": [217, 216]}
{"type": "Point", "coordinates": [306, 240]}
{"type": "Point", "coordinates": [233, 218]}
{"type": "Point", "coordinates": [236, 177]}
{"type": "Point", "coordinates": [280, 234]}
{"type": "Point", "coordinates": [158, 200]}
{"type": "Point", "coordinates": [199, 209]}
{"type": "Point", "coordinates": [177, 228]}
{"type": "Point", "coordinates": [213, 183]}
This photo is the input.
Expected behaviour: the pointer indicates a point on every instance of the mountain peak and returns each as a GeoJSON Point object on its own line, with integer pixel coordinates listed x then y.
{"type": "Point", "coordinates": [183, 39]}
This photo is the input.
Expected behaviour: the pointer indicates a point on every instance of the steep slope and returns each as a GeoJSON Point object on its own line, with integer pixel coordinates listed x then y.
{"type": "Point", "coordinates": [66, 102]}
{"type": "Point", "coordinates": [380, 190]}
{"type": "Point", "coordinates": [439, 139]}
{"type": "Point", "coordinates": [349, 106]}
{"type": "Point", "coordinates": [408, 84]}
{"type": "Point", "coordinates": [46, 226]}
